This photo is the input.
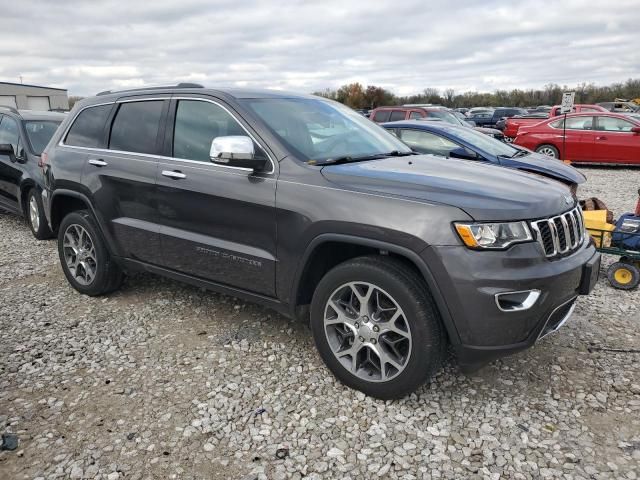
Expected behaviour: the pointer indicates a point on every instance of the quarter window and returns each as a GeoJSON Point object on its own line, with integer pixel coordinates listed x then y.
{"type": "Point", "coordinates": [9, 132]}
{"type": "Point", "coordinates": [88, 128]}
{"type": "Point", "coordinates": [136, 126]}
{"type": "Point", "coordinates": [415, 115]}
{"type": "Point", "coordinates": [612, 124]}
{"type": "Point", "coordinates": [197, 124]}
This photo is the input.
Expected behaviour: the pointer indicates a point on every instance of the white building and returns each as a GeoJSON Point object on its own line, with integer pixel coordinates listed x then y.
{"type": "Point", "coordinates": [33, 97]}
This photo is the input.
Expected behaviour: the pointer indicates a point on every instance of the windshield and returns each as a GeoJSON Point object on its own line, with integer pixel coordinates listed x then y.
{"type": "Point", "coordinates": [321, 130]}
{"type": "Point", "coordinates": [486, 143]}
{"type": "Point", "coordinates": [39, 133]}
{"type": "Point", "coordinates": [446, 117]}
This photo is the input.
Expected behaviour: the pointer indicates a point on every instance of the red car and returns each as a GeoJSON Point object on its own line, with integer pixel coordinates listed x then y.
{"type": "Point", "coordinates": [512, 125]}
{"type": "Point", "coordinates": [578, 108]}
{"type": "Point", "coordinates": [607, 138]}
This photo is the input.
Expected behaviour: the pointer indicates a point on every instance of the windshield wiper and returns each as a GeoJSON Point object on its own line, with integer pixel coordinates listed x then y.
{"type": "Point", "coordinates": [361, 158]}
{"type": "Point", "coordinates": [520, 153]}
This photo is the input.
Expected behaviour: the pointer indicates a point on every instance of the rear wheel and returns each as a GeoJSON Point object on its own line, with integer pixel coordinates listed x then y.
{"type": "Point", "coordinates": [376, 327]}
{"type": "Point", "coordinates": [85, 260]}
{"type": "Point", "coordinates": [35, 216]}
{"type": "Point", "coordinates": [624, 276]}
{"type": "Point", "coordinates": [548, 150]}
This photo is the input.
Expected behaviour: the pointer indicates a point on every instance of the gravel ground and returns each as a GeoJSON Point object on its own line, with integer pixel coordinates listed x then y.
{"type": "Point", "coordinates": [162, 380]}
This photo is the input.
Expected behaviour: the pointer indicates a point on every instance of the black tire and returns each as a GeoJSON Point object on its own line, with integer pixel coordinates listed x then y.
{"type": "Point", "coordinates": [428, 340]}
{"type": "Point", "coordinates": [39, 228]}
{"type": "Point", "coordinates": [108, 276]}
{"type": "Point", "coordinates": [554, 153]}
{"type": "Point", "coordinates": [624, 276]}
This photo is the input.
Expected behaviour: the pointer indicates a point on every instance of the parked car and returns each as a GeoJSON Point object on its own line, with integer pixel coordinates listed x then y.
{"type": "Point", "coordinates": [578, 108]}
{"type": "Point", "coordinates": [392, 114]}
{"type": "Point", "coordinates": [511, 125]}
{"type": "Point", "coordinates": [449, 141]}
{"type": "Point", "coordinates": [620, 107]}
{"type": "Point", "coordinates": [490, 119]}
{"type": "Point", "coordinates": [540, 109]}
{"type": "Point", "coordinates": [23, 136]}
{"type": "Point", "coordinates": [462, 110]}
{"type": "Point", "coordinates": [602, 138]}
{"type": "Point", "coordinates": [301, 204]}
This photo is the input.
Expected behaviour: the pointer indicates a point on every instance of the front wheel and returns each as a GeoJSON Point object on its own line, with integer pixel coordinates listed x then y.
{"type": "Point", "coordinates": [548, 150]}
{"type": "Point", "coordinates": [376, 327]}
{"type": "Point", "coordinates": [35, 216]}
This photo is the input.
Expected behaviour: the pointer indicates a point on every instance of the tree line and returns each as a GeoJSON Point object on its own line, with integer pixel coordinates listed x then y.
{"type": "Point", "coordinates": [359, 96]}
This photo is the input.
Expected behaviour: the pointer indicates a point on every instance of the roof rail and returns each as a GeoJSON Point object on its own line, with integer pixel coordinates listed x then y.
{"type": "Point", "coordinates": [160, 87]}
{"type": "Point", "coordinates": [11, 109]}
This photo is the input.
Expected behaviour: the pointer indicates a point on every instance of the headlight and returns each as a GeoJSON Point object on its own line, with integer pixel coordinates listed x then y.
{"type": "Point", "coordinates": [493, 235]}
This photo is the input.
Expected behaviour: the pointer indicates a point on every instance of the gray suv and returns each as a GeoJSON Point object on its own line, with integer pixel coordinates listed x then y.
{"type": "Point", "coordinates": [305, 206]}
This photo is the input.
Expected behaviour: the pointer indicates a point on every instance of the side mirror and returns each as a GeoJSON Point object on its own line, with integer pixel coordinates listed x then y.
{"type": "Point", "coordinates": [7, 149]}
{"type": "Point", "coordinates": [463, 154]}
{"type": "Point", "coordinates": [235, 151]}
{"type": "Point", "coordinates": [636, 130]}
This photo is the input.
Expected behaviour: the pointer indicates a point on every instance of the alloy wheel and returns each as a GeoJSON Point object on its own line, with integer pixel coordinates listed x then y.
{"type": "Point", "coordinates": [367, 331]}
{"type": "Point", "coordinates": [34, 214]}
{"type": "Point", "coordinates": [80, 254]}
{"type": "Point", "coordinates": [548, 151]}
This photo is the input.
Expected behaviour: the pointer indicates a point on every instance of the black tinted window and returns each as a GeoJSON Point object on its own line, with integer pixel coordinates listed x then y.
{"type": "Point", "coordinates": [88, 128]}
{"type": "Point", "coordinates": [39, 133]}
{"type": "Point", "coordinates": [135, 128]}
{"type": "Point", "coordinates": [397, 115]}
{"type": "Point", "coordinates": [197, 124]}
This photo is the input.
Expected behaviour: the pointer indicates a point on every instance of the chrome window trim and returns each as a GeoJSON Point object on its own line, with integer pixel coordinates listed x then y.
{"type": "Point", "coordinates": [163, 157]}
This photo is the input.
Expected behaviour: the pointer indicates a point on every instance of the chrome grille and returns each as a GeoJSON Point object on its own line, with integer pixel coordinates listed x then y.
{"type": "Point", "coordinates": [560, 235]}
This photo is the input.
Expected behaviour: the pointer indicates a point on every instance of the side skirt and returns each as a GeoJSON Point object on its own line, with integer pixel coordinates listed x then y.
{"type": "Point", "coordinates": [270, 302]}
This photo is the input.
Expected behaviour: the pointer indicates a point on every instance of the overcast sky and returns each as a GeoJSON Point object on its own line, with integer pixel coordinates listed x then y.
{"type": "Point", "coordinates": [403, 45]}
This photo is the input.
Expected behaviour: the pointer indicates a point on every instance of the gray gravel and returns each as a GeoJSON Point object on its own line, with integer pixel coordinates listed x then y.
{"type": "Point", "coordinates": [162, 380]}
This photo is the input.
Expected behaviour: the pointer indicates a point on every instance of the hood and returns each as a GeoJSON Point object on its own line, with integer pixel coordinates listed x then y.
{"type": "Point", "coordinates": [544, 165]}
{"type": "Point", "coordinates": [488, 131]}
{"type": "Point", "coordinates": [484, 191]}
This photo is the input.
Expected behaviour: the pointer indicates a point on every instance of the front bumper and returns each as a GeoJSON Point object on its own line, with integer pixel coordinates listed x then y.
{"type": "Point", "coordinates": [470, 280]}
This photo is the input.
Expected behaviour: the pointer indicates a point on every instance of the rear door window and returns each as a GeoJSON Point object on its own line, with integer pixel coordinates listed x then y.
{"type": "Point", "coordinates": [88, 128]}
{"type": "Point", "coordinates": [136, 126]}
{"type": "Point", "coordinates": [397, 115]}
{"type": "Point", "coordinates": [580, 123]}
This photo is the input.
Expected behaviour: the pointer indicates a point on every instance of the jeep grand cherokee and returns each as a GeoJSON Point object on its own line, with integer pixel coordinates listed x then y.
{"type": "Point", "coordinates": [303, 205]}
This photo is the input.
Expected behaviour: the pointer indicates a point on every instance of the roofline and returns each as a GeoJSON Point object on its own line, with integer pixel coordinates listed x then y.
{"type": "Point", "coordinates": [36, 86]}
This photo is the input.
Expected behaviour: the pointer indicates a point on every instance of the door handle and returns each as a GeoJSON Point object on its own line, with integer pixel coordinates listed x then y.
{"type": "Point", "coordinates": [175, 174]}
{"type": "Point", "coordinates": [601, 138]}
{"type": "Point", "coordinates": [98, 162]}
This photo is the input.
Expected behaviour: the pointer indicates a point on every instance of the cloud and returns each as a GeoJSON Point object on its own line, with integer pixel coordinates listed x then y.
{"type": "Point", "coordinates": [305, 46]}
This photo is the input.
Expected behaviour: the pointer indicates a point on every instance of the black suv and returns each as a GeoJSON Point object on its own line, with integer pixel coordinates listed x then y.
{"type": "Point", "coordinates": [304, 205]}
{"type": "Point", "coordinates": [23, 136]}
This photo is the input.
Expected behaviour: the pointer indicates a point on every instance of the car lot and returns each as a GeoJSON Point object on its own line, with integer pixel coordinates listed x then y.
{"type": "Point", "coordinates": [163, 380]}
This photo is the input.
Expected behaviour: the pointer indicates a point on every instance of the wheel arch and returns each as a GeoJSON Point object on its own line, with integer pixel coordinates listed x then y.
{"type": "Point", "coordinates": [25, 188]}
{"type": "Point", "coordinates": [315, 262]}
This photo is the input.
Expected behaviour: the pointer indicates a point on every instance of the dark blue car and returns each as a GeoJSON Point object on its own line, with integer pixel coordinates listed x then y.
{"type": "Point", "coordinates": [446, 140]}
